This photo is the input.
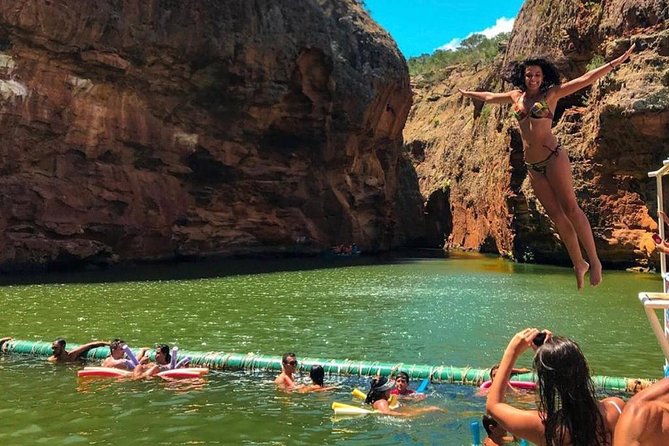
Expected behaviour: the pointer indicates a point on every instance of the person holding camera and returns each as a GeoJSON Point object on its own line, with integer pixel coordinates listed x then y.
{"type": "Point", "coordinates": [568, 411]}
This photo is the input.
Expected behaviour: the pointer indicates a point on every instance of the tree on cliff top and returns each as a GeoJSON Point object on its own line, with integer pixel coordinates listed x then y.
{"type": "Point", "coordinates": [475, 50]}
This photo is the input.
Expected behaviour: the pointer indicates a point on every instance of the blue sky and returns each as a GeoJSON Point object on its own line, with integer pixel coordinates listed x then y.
{"type": "Point", "coordinates": [422, 26]}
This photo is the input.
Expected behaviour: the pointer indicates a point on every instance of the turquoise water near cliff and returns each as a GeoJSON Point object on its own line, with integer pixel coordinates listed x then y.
{"type": "Point", "coordinates": [453, 311]}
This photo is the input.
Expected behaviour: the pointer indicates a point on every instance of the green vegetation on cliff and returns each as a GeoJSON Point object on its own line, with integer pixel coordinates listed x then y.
{"type": "Point", "coordinates": [475, 50]}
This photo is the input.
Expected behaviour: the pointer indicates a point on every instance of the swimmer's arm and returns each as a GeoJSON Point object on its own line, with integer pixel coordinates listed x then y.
{"type": "Point", "coordinates": [491, 98]}
{"type": "Point", "coordinates": [381, 406]}
{"type": "Point", "coordinates": [142, 353]}
{"type": "Point", "coordinates": [83, 349]}
{"type": "Point", "coordinates": [412, 397]}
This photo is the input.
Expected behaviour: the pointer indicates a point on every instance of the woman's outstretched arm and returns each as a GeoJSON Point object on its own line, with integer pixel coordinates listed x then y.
{"type": "Point", "coordinates": [521, 423]}
{"type": "Point", "coordinates": [493, 98]}
{"type": "Point", "coordinates": [591, 76]}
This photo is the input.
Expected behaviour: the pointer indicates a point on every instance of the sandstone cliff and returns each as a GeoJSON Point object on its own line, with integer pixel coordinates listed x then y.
{"type": "Point", "coordinates": [144, 130]}
{"type": "Point", "coordinates": [469, 157]}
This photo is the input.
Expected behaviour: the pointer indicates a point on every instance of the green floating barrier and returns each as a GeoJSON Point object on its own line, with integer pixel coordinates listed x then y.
{"type": "Point", "coordinates": [252, 362]}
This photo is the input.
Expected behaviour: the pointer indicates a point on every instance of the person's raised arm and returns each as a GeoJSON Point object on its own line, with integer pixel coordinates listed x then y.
{"type": "Point", "coordinates": [521, 423]}
{"type": "Point", "coordinates": [492, 98]}
{"type": "Point", "coordinates": [591, 76]}
{"type": "Point", "coordinates": [83, 349]}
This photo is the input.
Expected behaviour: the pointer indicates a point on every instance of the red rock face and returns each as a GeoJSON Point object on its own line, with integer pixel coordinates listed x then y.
{"type": "Point", "coordinates": [615, 132]}
{"type": "Point", "coordinates": [142, 130]}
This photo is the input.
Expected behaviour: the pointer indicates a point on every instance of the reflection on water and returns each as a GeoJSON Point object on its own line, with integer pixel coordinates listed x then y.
{"type": "Point", "coordinates": [440, 311]}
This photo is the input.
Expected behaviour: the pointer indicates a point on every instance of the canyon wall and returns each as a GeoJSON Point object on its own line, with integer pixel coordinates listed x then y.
{"type": "Point", "coordinates": [156, 130]}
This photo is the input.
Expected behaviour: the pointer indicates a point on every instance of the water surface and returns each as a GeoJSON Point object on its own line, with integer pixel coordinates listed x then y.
{"type": "Point", "coordinates": [458, 312]}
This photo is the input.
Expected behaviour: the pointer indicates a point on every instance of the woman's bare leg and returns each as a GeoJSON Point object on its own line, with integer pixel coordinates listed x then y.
{"type": "Point", "coordinates": [546, 195]}
{"type": "Point", "coordinates": [560, 179]}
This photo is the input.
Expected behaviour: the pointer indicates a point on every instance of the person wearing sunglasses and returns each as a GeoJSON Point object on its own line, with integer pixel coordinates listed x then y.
{"type": "Point", "coordinates": [285, 379]}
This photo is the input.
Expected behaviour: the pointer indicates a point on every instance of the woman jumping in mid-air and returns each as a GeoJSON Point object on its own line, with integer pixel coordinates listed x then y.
{"type": "Point", "coordinates": [538, 89]}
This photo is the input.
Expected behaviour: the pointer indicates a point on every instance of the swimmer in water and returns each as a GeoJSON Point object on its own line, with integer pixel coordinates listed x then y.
{"type": "Point", "coordinates": [379, 393]}
{"type": "Point", "coordinates": [285, 379]}
{"type": "Point", "coordinates": [60, 354]}
{"type": "Point", "coordinates": [317, 375]}
{"type": "Point", "coordinates": [146, 369]}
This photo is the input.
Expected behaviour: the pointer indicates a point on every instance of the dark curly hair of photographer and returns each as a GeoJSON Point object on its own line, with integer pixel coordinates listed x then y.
{"type": "Point", "coordinates": [517, 73]}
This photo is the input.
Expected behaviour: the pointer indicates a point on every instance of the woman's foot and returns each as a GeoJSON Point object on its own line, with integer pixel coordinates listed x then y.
{"type": "Point", "coordinates": [596, 273]}
{"type": "Point", "coordinates": [580, 271]}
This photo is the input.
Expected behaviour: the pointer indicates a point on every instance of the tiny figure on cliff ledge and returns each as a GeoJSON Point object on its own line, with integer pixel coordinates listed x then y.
{"type": "Point", "coordinates": [538, 89]}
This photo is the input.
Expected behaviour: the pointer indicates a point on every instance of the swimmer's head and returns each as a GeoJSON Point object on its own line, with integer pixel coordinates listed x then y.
{"type": "Point", "coordinates": [163, 355]}
{"type": "Point", "coordinates": [116, 347]}
{"type": "Point", "coordinates": [58, 346]}
{"type": "Point", "coordinates": [289, 360]}
{"type": "Point", "coordinates": [379, 389]}
{"type": "Point", "coordinates": [493, 372]}
{"type": "Point", "coordinates": [317, 374]}
{"type": "Point", "coordinates": [490, 424]}
{"type": "Point", "coordinates": [402, 382]}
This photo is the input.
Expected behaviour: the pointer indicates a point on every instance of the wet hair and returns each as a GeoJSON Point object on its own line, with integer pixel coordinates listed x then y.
{"type": "Point", "coordinates": [284, 358]}
{"type": "Point", "coordinates": [550, 72]}
{"type": "Point", "coordinates": [404, 375]}
{"type": "Point", "coordinates": [378, 388]}
{"type": "Point", "coordinates": [493, 369]}
{"type": "Point", "coordinates": [61, 342]}
{"type": "Point", "coordinates": [489, 423]}
{"type": "Point", "coordinates": [116, 343]}
{"type": "Point", "coordinates": [165, 349]}
{"type": "Point", "coordinates": [317, 374]}
{"type": "Point", "coordinates": [566, 394]}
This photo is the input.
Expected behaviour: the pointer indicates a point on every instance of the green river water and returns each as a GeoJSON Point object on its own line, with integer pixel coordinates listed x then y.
{"type": "Point", "coordinates": [456, 311]}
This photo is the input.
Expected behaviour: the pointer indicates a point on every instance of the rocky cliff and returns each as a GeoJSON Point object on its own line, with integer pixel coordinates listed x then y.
{"type": "Point", "coordinates": [146, 130]}
{"type": "Point", "coordinates": [469, 157]}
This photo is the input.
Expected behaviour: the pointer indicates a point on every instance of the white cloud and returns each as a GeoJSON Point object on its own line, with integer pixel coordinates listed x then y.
{"type": "Point", "coordinates": [502, 25]}
{"type": "Point", "coordinates": [453, 44]}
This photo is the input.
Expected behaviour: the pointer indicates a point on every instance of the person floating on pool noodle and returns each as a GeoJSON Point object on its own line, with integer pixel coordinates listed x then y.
{"type": "Point", "coordinates": [645, 419]}
{"type": "Point", "coordinates": [538, 89]}
{"type": "Point", "coordinates": [146, 369]}
{"type": "Point", "coordinates": [568, 411]}
{"type": "Point", "coordinates": [285, 379]}
{"type": "Point", "coordinates": [379, 394]}
{"type": "Point", "coordinates": [117, 358]}
{"type": "Point", "coordinates": [60, 354]}
{"type": "Point", "coordinates": [402, 390]}
{"type": "Point", "coordinates": [317, 376]}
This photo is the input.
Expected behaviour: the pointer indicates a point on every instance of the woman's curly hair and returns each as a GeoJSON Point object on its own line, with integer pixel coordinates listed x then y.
{"type": "Point", "coordinates": [517, 73]}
